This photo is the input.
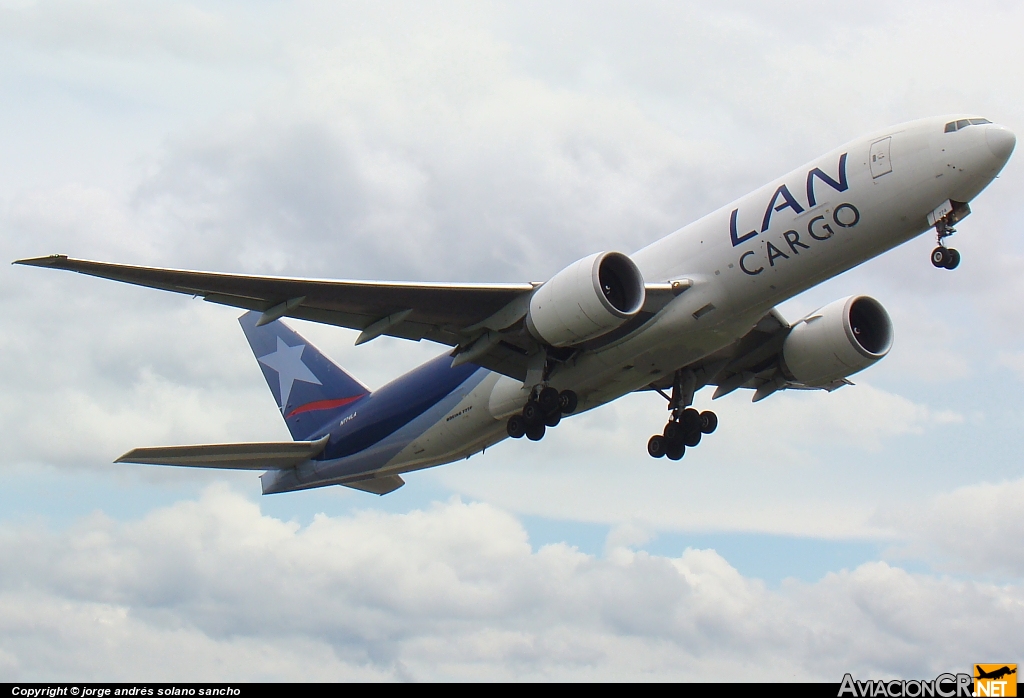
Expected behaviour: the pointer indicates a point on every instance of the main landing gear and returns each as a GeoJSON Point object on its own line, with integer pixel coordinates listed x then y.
{"type": "Point", "coordinates": [686, 425]}
{"type": "Point", "coordinates": [944, 257]}
{"type": "Point", "coordinates": [544, 409]}
{"type": "Point", "coordinates": [682, 432]}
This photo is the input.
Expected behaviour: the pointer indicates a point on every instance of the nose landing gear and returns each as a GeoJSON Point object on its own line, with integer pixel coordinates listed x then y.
{"type": "Point", "coordinates": [543, 410]}
{"type": "Point", "coordinates": [686, 425]}
{"type": "Point", "coordinates": [943, 219]}
{"type": "Point", "coordinates": [944, 257]}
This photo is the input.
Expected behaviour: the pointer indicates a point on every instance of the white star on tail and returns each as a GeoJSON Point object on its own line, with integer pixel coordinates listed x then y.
{"type": "Point", "coordinates": [287, 361]}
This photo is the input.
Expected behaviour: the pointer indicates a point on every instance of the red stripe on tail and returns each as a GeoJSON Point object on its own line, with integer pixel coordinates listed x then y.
{"type": "Point", "coordinates": [323, 405]}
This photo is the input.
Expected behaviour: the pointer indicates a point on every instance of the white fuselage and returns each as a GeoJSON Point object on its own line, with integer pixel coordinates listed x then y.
{"type": "Point", "coordinates": [813, 223]}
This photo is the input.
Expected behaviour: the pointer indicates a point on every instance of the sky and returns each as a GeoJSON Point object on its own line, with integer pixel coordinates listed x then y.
{"type": "Point", "coordinates": [875, 530]}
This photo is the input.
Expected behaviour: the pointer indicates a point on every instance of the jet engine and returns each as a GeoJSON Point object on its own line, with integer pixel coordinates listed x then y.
{"type": "Point", "coordinates": [586, 299]}
{"type": "Point", "coordinates": [836, 341]}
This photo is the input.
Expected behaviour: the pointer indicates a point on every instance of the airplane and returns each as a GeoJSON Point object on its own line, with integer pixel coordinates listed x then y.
{"type": "Point", "coordinates": [693, 309]}
{"type": "Point", "coordinates": [995, 674]}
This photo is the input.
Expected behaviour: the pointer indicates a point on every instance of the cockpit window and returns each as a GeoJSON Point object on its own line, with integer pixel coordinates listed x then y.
{"type": "Point", "coordinates": [964, 123]}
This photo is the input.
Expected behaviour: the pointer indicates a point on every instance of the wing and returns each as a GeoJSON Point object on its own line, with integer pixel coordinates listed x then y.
{"type": "Point", "coordinates": [753, 361]}
{"type": "Point", "coordinates": [410, 310]}
{"type": "Point", "coordinates": [484, 322]}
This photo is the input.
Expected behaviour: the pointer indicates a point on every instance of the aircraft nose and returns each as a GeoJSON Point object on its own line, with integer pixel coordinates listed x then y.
{"type": "Point", "coordinates": [1001, 141]}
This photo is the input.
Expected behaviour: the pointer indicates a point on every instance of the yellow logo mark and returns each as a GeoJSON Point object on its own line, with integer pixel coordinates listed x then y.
{"type": "Point", "coordinates": [995, 680]}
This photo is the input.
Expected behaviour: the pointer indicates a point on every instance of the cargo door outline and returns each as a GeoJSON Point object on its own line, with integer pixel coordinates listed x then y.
{"type": "Point", "coordinates": [878, 157]}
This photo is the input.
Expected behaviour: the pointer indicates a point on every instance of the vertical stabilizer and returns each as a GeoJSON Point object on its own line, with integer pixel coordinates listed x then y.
{"type": "Point", "coordinates": [309, 388]}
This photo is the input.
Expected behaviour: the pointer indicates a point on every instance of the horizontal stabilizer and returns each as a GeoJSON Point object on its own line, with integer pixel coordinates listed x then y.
{"type": "Point", "coordinates": [247, 456]}
{"type": "Point", "coordinates": [377, 485]}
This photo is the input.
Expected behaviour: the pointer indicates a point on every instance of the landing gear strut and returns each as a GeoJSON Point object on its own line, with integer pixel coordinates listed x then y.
{"type": "Point", "coordinates": [544, 409]}
{"type": "Point", "coordinates": [946, 257]}
{"type": "Point", "coordinates": [686, 425]}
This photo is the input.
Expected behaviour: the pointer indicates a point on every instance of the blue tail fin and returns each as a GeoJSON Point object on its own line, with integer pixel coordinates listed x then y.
{"type": "Point", "coordinates": [310, 389]}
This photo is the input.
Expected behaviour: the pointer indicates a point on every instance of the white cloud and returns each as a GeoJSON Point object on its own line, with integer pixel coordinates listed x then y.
{"type": "Point", "coordinates": [126, 31]}
{"type": "Point", "coordinates": [973, 529]}
{"type": "Point", "coordinates": [860, 416]}
{"type": "Point", "coordinates": [213, 589]}
{"type": "Point", "coordinates": [810, 450]}
{"type": "Point", "coordinates": [1013, 361]}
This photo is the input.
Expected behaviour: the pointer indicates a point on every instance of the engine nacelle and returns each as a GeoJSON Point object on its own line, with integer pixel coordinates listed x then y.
{"type": "Point", "coordinates": [844, 337]}
{"type": "Point", "coordinates": [586, 299]}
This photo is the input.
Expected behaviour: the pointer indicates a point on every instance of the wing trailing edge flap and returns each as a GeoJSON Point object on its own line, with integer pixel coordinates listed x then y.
{"type": "Point", "coordinates": [241, 456]}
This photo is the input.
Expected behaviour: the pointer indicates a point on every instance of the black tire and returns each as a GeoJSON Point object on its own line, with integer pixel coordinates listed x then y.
{"type": "Point", "coordinates": [656, 446]}
{"type": "Point", "coordinates": [692, 439]}
{"type": "Point", "coordinates": [548, 400]}
{"type": "Point", "coordinates": [535, 432]}
{"type": "Point", "coordinates": [516, 426]}
{"type": "Point", "coordinates": [954, 259]}
{"type": "Point", "coordinates": [940, 257]}
{"type": "Point", "coordinates": [673, 431]}
{"type": "Point", "coordinates": [690, 421]}
{"type": "Point", "coordinates": [532, 413]}
{"type": "Point", "coordinates": [553, 419]}
{"type": "Point", "coordinates": [708, 422]}
{"type": "Point", "coordinates": [675, 450]}
{"type": "Point", "coordinates": [568, 401]}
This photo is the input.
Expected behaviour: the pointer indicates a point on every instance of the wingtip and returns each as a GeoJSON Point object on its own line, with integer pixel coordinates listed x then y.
{"type": "Point", "coordinates": [48, 261]}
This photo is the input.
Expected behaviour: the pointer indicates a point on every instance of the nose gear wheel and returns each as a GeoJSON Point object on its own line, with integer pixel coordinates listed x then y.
{"type": "Point", "coordinates": [945, 258]}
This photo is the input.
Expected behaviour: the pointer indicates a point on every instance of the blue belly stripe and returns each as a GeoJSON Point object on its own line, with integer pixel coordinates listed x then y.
{"type": "Point", "coordinates": [388, 409]}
